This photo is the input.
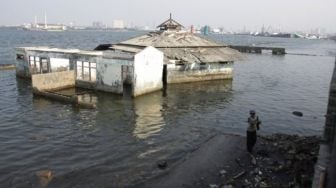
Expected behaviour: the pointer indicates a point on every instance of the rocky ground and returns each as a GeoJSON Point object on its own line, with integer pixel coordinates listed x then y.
{"type": "Point", "coordinates": [223, 162]}
{"type": "Point", "coordinates": [278, 161]}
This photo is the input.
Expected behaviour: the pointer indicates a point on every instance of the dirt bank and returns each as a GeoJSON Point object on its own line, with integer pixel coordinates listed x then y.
{"type": "Point", "coordinates": [279, 161]}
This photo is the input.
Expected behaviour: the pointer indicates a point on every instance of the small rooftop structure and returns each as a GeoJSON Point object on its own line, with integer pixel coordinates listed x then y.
{"type": "Point", "coordinates": [170, 24]}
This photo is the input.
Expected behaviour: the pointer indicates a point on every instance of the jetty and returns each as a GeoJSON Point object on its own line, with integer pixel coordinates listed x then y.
{"type": "Point", "coordinates": [259, 49]}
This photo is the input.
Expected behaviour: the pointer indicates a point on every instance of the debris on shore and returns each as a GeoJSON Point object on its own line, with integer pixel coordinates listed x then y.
{"type": "Point", "coordinates": [44, 176]}
{"type": "Point", "coordinates": [281, 161]}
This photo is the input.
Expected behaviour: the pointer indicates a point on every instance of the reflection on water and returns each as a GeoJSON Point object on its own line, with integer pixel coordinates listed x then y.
{"type": "Point", "coordinates": [153, 110]}
{"type": "Point", "coordinates": [87, 98]}
{"type": "Point", "coordinates": [148, 115]}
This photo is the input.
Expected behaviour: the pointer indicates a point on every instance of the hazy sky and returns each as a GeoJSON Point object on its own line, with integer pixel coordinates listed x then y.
{"type": "Point", "coordinates": [230, 14]}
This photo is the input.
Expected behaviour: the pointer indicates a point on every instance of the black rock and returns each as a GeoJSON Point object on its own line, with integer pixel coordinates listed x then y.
{"type": "Point", "coordinates": [263, 153]}
{"type": "Point", "coordinates": [297, 113]}
{"type": "Point", "coordinates": [162, 164]}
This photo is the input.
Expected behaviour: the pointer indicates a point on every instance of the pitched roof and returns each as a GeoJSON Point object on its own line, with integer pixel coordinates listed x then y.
{"type": "Point", "coordinates": [183, 46]}
{"type": "Point", "coordinates": [171, 39]}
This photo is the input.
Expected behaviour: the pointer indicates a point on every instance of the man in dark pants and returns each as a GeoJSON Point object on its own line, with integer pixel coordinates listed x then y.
{"type": "Point", "coordinates": [251, 133]}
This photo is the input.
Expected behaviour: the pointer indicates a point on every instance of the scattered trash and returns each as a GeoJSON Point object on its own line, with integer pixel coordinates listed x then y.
{"type": "Point", "coordinates": [253, 160]}
{"type": "Point", "coordinates": [263, 184]}
{"type": "Point", "coordinates": [283, 161]}
{"type": "Point", "coordinates": [213, 186]}
{"type": "Point", "coordinates": [228, 186]}
{"type": "Point", "coordinates": [222, 172]}
{"type": "Point", "coordinates": [238, 162]}
{"type": "Point", "coordinates": [239, 175]}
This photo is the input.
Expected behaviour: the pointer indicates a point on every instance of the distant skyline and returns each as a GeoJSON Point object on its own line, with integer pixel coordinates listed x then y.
{"type": "Point", "coordinates": [288, 15]}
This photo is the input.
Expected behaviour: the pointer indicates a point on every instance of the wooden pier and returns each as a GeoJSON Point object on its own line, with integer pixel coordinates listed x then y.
{"type": "Point", "coordinates": [259, 49]}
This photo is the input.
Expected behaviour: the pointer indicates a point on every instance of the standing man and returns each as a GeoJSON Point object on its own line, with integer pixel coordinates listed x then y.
{"type": "Point", "coordinates": [253, 126]}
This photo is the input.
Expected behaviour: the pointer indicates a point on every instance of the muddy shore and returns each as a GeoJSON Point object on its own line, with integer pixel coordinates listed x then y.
{"type": "Point", "coordinates": [278, 161]}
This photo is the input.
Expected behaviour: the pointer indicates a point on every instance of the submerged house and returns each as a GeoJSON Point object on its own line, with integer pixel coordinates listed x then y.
{"type": "Point", "coordinates": [54, 69]}
{"type": "Point", "coordinates": [147, 62]}
{"type": "Point", "coordinates": [187, 57]}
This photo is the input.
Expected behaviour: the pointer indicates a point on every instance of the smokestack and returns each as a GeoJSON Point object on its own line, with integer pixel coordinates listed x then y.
{"type": "Point", "coordinates": [45, 20]}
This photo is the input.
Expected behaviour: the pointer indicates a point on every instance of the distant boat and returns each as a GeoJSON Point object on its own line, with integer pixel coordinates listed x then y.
{"type": "Point", "coordinates": [44, 26]}
{"type": "Point", "coordinates": [281, 35]}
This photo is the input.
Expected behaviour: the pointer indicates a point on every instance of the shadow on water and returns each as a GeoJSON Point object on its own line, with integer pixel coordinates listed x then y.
{"type": "Point", "coordinates": [24, 87]}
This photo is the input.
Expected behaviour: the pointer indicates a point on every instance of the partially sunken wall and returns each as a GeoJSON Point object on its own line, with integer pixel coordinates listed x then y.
{"type": "Point", "coordinates": [196, 72]}
{"type": "Point", "coordinates": [53, 81]}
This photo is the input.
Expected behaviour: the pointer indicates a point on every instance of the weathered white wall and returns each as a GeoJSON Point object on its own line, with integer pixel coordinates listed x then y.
{"type": "Point", "coordinates": [148, 67]}
{"type": "Point", "coordinates": [53, 81]}
{"type": "Point", "coordinates": [196, 72]}
{"type": "Point", "coordinates": [109, 75]}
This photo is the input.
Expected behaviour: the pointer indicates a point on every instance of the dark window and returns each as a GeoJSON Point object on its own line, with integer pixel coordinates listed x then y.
{"type": "Point", "coordinates": [203, 66]}
{"type": "Point", "coordinates": [44, 65]}
{"type": "Point", "coordinates": [19, 57]}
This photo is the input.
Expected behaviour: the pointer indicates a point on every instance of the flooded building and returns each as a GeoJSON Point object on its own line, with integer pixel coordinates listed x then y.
{"type": "Point", "coordinates": [54, 69]}
{"type": "Point", "coordinates": [147, 63]}
{"type": "Point", "coordinates": [188, 57]}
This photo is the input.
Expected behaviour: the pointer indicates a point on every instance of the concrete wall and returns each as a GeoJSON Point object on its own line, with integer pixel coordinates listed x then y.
{"type": "Point", "coordinates": [147, 68]}
{"type": "Point", "coordinates": [325, 168]}
{"type": "Point", "coordinates": [53, 81]}
{"type": "Point", "coordinates": [199, 72]}
{"type": "Point", "coordinates": [109, 76]}
{"type": "Point", "coordinates": [330, 132]}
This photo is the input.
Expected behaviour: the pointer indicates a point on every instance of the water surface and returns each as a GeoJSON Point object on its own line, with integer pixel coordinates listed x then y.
{"type": "Point", "coordinates": [120, 142]}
